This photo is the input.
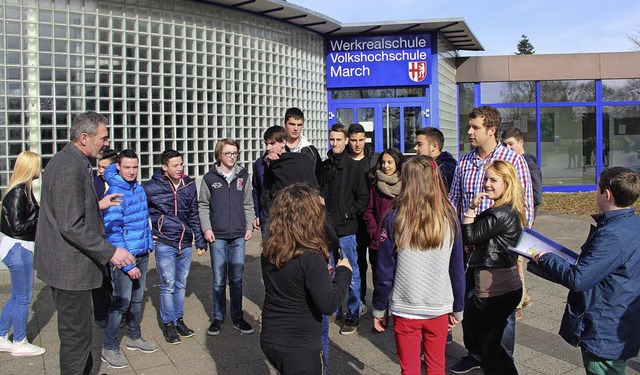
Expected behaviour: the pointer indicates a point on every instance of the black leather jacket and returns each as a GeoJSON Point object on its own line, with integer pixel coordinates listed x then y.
{"type": "Point", "coordinates": [492, 231]}
{"type": "Point", "coordinates": [19, 214]}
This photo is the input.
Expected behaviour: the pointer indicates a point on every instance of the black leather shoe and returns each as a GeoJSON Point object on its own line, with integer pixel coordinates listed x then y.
{"type": "Point", "coordinates": [182, 328]}
{"type": "Point", "coordinates": [170, 334]}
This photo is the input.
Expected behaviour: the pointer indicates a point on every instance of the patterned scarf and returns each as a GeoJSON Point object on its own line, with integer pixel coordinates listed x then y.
{"type": "Point", "coordinates": [388, 185]}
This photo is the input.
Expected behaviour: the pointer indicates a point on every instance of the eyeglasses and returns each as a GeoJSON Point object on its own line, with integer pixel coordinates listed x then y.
{"type": "Point", "coordinates": [230, 154]}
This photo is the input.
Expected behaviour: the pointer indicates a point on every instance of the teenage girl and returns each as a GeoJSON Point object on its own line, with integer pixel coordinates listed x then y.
{"type": "Point", "coordinates": [385, 188]}
{"type": "Point", "coordinates": [420, 273]}
{"type": "Point", "coordinates": [498, 288]}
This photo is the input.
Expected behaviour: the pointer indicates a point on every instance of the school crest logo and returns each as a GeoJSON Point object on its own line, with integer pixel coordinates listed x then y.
{"type": "Point", "coordinates": [418, 71]}
{"type": "Point", "coordinates": [239, 183]}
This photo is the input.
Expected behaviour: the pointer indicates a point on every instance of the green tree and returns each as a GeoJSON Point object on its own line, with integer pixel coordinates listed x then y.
{"type": "Point", "coordinates": [525, 47]}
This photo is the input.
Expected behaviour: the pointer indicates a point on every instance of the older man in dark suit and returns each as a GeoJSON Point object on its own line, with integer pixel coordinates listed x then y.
{"type": "Point", "coordinates": [70, 248]}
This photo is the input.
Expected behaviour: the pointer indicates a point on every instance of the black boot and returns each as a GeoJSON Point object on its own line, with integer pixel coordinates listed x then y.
{"type": "Point", "coordinates": [170, 334]}
{"type": "Point", "coordinates": [182, 328]}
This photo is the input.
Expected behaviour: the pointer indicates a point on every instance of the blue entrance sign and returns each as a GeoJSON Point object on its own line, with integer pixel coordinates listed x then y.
{"type": "Point", "coordinates": [398, 60]}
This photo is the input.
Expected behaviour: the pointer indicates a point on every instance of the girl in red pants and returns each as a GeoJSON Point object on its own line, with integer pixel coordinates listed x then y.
{"type": "Point", "coordinates": [420, 274]}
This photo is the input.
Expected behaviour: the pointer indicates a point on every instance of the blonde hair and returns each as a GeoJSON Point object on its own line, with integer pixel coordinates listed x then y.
{"type": "Point", "coordinates": [513, 192]}
{"type": "Point", "coordinates": [26, 170]}
{"type": "Point", "coordinates": [424, 210]}
{"type": "Point", "coordinates": [296, 224]}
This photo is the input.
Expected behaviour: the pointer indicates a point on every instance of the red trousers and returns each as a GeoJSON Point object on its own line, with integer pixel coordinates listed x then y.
{"type": "Point", "coordinates": [432, 333]}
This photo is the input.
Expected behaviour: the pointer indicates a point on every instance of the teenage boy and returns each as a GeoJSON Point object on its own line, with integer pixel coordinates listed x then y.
{"type": "Point", "coordinates": [226, 217]}
{"type": "Point", "coordinates": [601, 315]}
{"type": "Point", "coordinates": [363, 153]}
{"type": "Point", "coordinates": [101, 297]}
{"type": "Point", "coordinates": [468, 180]}
{"type": "Point", "coordinates": [298, 143]}
{"type": "Point", "coordinates": [127, 226]}
{"type": "Point", "coordinates": [276, 169]}
{"type": "Point", "coordinates": [513, 139]}
{"type": "Point", "coordinates": [344, 188]}
{"type": "Point", "coordinates": [109, 156]}
{"type": "Point", "coordinates": [429, 142]}
{"type": "Point", "coordinates": [173, 208]}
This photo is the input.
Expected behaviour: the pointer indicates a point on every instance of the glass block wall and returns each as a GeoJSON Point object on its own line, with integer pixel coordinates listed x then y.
{"type": "Point", "coordinates": [168, 74]}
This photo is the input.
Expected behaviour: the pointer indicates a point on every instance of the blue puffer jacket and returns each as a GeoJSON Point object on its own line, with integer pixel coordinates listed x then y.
{"type": "Point", "coordinates": [174, 212]}
{"type": "Point", "coordinates": [127, 225]}
{"type": "Point", "coordinates": [603, 305]}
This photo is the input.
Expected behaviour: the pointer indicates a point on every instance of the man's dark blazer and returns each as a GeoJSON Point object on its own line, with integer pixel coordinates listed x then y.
{"type": "Point", "coordinates": [70, 248]}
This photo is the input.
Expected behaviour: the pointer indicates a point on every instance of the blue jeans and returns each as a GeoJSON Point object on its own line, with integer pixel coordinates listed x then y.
{"type": "Point", "coordinates": [348, 247]}
{"type": "Point", "coordinates": [509, 335]}
{"type": "Point", "coordinates": [16, 311]}
{"type": "Point", "coordinates": [227, 258]}
{"type": "Point", "coordinates": [173, 270]}
{"type": "Point", "coordinates": [127, 299]}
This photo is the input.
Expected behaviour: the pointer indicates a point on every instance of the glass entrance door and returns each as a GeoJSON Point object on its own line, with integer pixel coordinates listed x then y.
{"type": "Point", "coordinates": [388, 123]}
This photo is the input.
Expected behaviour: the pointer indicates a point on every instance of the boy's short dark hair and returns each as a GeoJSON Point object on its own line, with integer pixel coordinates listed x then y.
{"type": "Point", "coordinates": [434, 134]}
{"type": "Point", "coordinates": [275, 133]}
{"type": "Point", "coordinates": [109, 154]}
{"type": "Point", "coordinates": [295, 113]}
{"type": "Point", "coordinates": [340, 128]}
{"type": "Point", "coordinates": [492, 118]}
{"type": "Point", "coordinates": [127, 153]}
{"type": "Point", "coordinates": [355, 128]}
{"type": "Point", "coordinates": [623, 183]}
{"type": "Point", "coordinates": [168, 155]}
{"type": "Point", "coordinates": [514, 133]}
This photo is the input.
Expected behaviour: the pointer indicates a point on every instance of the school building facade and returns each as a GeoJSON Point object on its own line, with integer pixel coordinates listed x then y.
{"type": "Point", "coordinates": [183, 74]}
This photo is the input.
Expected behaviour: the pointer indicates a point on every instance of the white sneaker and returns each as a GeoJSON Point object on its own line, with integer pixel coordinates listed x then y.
{"type": "Point", "coordinates": [25, 349]}
{"type": "Point", "coordinates": [5, 344]}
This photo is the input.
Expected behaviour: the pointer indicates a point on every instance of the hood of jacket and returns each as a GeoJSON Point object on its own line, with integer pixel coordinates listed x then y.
{"type": "Point", "coordinates": [446, 157]}
{"type": "Point", "coordinates": [216, 170]}
{"type": "Point", "coordinates": [114, 179]}
{"type": "Point", "coordinates": [304, 142]}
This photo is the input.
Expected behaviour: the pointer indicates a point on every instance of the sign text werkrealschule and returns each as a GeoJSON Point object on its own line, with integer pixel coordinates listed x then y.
{"type": "Point", "coordinates": [399, 60]}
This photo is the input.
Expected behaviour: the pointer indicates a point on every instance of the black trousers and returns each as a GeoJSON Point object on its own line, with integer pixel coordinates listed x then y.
{"type": "Point", "coordinates": [362, 244]}
{"type": "Point", "coordinates": [309, 362]}
{"type": "Point", "coordinates": [101, 297]}
{"type": "Point", "coordinates": [74, 330]}
{"type": "Point", "coordinates": [484, 322]}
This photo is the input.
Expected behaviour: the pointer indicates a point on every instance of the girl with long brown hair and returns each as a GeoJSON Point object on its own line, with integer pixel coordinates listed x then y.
{"type": "Point", "coordinates": [298, 289]}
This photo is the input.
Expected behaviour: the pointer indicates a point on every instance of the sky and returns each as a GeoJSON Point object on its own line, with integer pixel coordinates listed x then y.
{"type": "Point", "coordinates": [553, 26]}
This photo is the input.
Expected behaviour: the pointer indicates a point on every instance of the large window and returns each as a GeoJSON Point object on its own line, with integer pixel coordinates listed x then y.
{"type": "Point", "coordinates": [621, 136]}
{"type": "Point", "coordinates": [567, 91]}
{"type": "Point", "coordinates": [568, 145]}
{"type": "Point", "coordinates": [576, 131]}
{"type": "Point", "coordinates": [508, 92]}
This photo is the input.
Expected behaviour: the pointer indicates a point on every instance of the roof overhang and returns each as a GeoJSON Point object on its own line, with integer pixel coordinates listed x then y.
{"type": "Point", "coordinates": [454, 30]}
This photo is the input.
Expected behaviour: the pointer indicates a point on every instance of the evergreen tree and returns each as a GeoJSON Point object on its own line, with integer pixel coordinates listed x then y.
{"type": "Point", "coordinates": [525, 47]}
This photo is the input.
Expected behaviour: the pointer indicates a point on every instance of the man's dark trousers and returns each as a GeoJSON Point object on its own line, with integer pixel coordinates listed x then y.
{"type": "Point", "coordinates": [74, 330]}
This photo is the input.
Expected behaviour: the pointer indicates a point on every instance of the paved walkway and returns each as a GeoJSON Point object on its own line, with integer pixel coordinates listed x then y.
{"type": "Point", "coordinates": [539, 350]}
